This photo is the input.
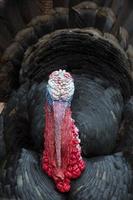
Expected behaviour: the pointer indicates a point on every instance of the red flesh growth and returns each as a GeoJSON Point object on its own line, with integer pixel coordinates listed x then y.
{"type": "Point", "coordinates": [66, 164]}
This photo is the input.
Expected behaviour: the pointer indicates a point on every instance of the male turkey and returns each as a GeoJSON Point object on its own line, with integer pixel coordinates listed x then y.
{"type": "Point", "coordinates": [66, 71]}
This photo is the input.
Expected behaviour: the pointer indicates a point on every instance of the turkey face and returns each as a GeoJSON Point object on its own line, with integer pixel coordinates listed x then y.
{"type": "Point", "coordinates": [62, 153]}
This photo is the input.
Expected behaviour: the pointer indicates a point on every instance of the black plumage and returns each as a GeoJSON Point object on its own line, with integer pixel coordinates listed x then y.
{"type": "Point", "coordinates": [88, 41]}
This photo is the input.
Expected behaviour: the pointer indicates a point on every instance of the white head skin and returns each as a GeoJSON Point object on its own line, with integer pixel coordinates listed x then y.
{"type": "Point", "coordinates": [60, 85]}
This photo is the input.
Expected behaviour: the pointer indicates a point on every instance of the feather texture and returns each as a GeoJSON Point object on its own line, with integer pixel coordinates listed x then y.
{"type": "Point", "coordinates": [90, 39]}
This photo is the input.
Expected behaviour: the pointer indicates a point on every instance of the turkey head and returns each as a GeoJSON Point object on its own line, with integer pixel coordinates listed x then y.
{"type": "Point", "coordinates": [62, 153]}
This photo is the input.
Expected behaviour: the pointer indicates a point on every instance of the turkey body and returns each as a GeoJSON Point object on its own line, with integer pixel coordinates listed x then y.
{"type": "Point", "coordinates": [102, 106]}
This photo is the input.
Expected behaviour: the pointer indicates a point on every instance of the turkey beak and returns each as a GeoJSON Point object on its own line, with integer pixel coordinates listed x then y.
{"type": "Point", "coordinates": [59, 109]}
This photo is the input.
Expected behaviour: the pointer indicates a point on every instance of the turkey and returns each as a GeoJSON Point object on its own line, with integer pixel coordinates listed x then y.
{"type": "Point", "coordinates": [66, 83]}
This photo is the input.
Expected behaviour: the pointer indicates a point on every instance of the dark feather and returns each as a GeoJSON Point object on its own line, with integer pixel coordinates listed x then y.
{"type": "Point", "coordinates": [89, 41]}
{"type": "Point", "coordinates": [107, 177]}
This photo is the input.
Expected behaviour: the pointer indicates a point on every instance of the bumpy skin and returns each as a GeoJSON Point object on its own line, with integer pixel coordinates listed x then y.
{"type": "Point", "coordinates": [103, 86]}
{"type": "Point", "coordinates": [61, 159]}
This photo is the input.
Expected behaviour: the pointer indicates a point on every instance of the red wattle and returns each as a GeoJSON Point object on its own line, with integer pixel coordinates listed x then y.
{"type": "Point", "coordinates": [72, 163]}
